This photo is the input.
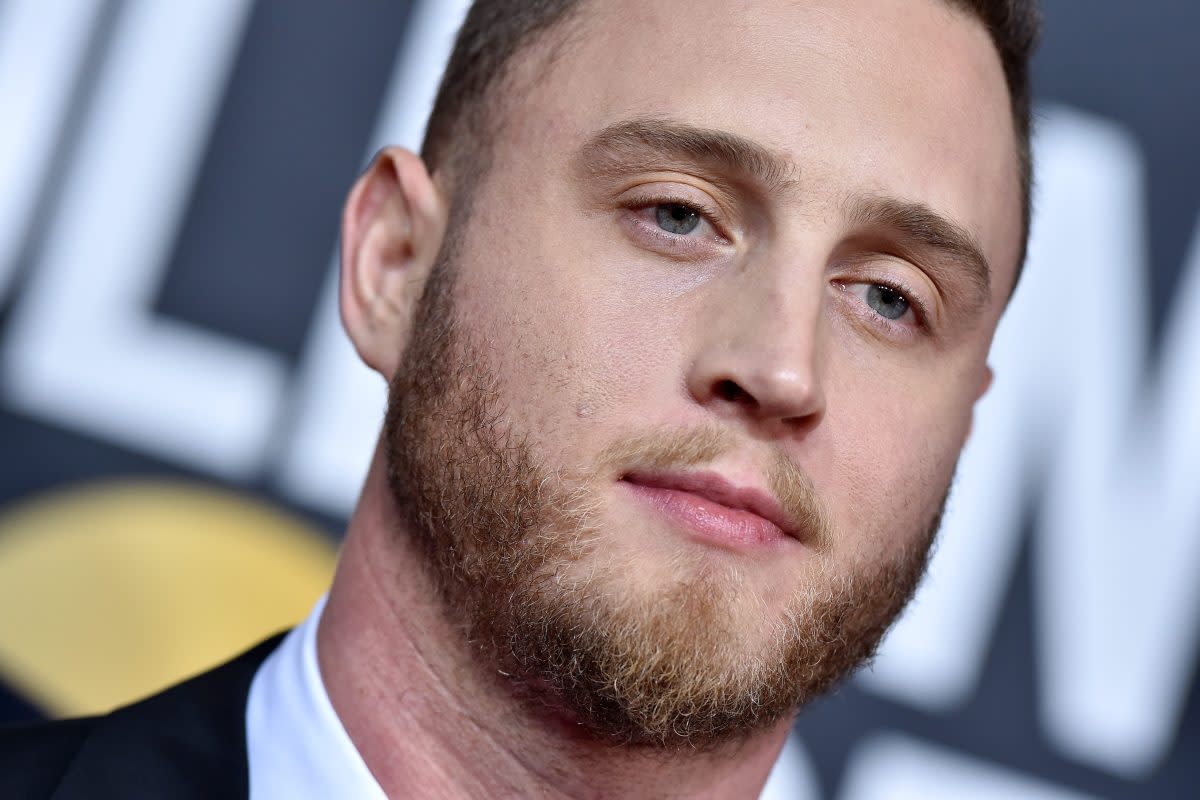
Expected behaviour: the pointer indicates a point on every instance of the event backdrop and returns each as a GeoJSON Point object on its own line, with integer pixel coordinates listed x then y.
{"type": "Point", "coordinates": [183, 428]}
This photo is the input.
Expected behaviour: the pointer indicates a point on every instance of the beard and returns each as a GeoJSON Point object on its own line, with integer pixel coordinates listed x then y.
{"type": "Point", "coordinates": [524, 566]}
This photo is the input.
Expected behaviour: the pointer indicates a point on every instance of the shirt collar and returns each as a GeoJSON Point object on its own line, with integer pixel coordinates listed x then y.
{"type": "Point", "coordinates": [298, 749]}
{"type": "Point", "coordinates": [296, 744]}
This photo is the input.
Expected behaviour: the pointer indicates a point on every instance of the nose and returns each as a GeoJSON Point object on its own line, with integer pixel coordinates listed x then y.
{"type": "Point", "coordinates": [761, 360]}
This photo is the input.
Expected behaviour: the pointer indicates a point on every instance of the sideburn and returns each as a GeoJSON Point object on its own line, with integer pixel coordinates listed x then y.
{"type": "Point", "coordinates": [468, 487]}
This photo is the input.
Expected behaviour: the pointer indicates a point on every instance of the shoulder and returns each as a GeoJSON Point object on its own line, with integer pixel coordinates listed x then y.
{"type": "Point", "coordinates": [186, 742]}
{"type": "Point", "coordinates": [33, 757]}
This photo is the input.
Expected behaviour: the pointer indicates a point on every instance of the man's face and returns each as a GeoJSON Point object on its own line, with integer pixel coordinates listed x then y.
{"type": "Point", "coordinates": [685, 397]}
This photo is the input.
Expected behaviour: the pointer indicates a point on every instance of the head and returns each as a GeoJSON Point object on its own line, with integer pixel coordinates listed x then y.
{"type": "Point", "coordinates": [684, 315]}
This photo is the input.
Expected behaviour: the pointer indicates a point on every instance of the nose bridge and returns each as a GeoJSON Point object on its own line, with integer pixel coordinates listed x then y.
{"type": "Point", "coordinates": [764, 352]}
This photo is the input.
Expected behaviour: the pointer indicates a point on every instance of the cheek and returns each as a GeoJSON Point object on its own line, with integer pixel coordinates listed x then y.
{"type": "Point", "coordinates": [894, 442]}
{"type": "Point", "coordinates": [629, 356]}
{"type": "Point", "coordinates": [578, 355]}
{"type": "Point", "coordinates": [583, 336]}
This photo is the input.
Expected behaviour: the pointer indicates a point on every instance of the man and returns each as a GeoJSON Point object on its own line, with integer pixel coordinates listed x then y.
{"type": "Point", "coordinates": [684, 311]}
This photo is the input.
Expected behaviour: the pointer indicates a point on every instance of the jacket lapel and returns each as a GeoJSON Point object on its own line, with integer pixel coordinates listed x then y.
{"type": "Point", "coordinates": [187, 742]}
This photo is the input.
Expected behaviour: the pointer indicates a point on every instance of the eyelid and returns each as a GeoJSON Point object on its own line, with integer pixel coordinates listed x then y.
{"type": "Point", "coordinates": [921, 324]}
{"type": "Point", "coordinates": [922, 292]}
{"type": "Point", "coordinates": [665, 192]}
{"type": "Point", "coordinates": [911, 296]}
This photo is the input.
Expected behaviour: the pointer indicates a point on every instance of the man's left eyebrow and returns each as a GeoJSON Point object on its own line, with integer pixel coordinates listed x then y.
{"type": "Point", "coordinates": [644, 138]}
{"type": "Point", "coordinates": [917, 225]}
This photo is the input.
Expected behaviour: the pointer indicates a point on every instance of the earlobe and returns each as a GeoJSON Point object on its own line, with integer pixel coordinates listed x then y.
{"type": "Point", "coordinates": [392, 229]}
{"type": "Point", "coordinates": [985, 383]}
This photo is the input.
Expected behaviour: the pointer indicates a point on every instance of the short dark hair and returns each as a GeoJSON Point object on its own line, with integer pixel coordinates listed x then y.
{"type": "Point", "coordinates": [495, 30]}
{"type": "Point", "coordinates": [459, 130]}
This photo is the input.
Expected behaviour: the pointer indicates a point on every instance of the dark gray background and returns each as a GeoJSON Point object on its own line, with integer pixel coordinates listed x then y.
{"type": "Point", "coordinates": [294, 122]}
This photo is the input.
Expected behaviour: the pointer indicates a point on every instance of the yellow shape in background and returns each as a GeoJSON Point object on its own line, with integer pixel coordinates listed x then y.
{"type": "Point", "coordinates": [115, 590]}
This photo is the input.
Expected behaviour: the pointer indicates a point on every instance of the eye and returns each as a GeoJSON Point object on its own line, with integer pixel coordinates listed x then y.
{"type": "Point", "coordinates": [677, 218]}
{"type": "Point", "coordinates": [888, 302]}
{"type": "Point", "coordinates": [677, 221]}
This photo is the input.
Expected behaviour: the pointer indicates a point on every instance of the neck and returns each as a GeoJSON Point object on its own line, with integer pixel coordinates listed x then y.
{"type": "Point", "coordinates": [430, 720]}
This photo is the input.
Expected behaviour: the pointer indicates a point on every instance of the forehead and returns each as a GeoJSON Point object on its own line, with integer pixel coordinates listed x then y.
{"type": "Point", "coordinates": [901, 98]}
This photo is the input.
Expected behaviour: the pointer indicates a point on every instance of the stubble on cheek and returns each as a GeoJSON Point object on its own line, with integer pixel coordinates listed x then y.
{"type": "Point", "coordinates": [519, 553]}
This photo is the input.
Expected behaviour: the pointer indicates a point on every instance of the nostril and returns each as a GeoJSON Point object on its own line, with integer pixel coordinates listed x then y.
{"type": "Point", "coordinates": [730, 391]}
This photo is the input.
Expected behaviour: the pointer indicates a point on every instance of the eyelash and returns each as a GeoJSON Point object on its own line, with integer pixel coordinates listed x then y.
{"type": "Point", "coordinates": [648, 202]}
{"type": "Point", "coordinates": [919, 309]}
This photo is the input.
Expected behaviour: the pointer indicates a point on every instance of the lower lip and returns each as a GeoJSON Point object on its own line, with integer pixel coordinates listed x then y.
{"type": "Point", "coordinates": [711, 521]}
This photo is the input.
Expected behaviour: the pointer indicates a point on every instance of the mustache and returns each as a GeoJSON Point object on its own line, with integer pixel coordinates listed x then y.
{"type": "Point", "coordinates": [668, 449]}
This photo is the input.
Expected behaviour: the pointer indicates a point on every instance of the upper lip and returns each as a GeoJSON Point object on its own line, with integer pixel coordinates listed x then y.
{"type": "Point", "coordinates": [718, 489]}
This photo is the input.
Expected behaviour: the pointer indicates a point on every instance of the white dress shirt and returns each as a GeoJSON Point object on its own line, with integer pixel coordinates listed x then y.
{"type": "Point", "coordinates": [297, 747]}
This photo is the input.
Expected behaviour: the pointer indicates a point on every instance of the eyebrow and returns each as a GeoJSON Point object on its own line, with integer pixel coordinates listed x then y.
{"type": "Point", "coordinates": [920, 227]}
{"type": "Point", "coordinates": [611, 147]}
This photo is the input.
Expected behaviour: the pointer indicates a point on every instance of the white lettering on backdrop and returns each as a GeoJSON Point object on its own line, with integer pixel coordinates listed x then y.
{"type": "Point", "coordinates": [83, 348]}
{"type": "Point", "coordinates": [42, 46]}
{"type": "Point", "coordinates": [1078, 421]}
{"type": "Point", "coordinates": [1111, 466]}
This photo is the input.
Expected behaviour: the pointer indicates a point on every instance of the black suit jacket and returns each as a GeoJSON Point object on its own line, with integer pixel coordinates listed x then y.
{"type": "Point", "coordinates": [187, 742]}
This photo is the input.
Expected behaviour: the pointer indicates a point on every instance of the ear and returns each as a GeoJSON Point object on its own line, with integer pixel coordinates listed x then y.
{"type": "Point", "coordinates": [985, 383]}
{"type": "Point", "coordinates": [392, 230]}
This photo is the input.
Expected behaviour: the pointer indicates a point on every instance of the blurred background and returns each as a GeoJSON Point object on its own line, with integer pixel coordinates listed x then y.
{"type": "Point", "coordinates": [183, 428]}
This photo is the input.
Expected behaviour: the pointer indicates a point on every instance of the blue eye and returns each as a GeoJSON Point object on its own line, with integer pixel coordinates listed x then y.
{"type": "Point", "coordinates": [676, 218]}
{"type": "Point", "coordinates": [887, 302]}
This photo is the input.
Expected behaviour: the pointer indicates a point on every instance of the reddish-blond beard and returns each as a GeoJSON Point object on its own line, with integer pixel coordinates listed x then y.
{"type": "Point", "coordinates": [664, 666]}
